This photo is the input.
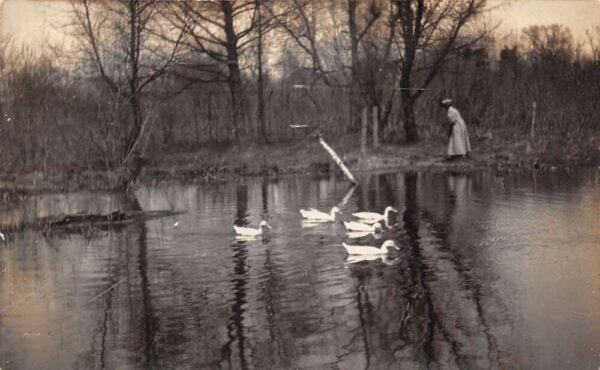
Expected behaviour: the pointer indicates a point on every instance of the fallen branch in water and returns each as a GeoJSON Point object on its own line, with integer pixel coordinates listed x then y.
{"type": "Point", "coordinates": [86, 224]}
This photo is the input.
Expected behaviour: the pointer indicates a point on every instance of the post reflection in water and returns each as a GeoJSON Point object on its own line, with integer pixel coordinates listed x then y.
{"type": "Point", "coordinates": [478, 258]}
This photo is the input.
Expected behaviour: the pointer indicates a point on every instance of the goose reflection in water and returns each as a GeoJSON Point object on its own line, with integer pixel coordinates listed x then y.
{"type": "Point", "coordinates": [361, 234]}
{"type": "Point", "coordinates": [385, 259]}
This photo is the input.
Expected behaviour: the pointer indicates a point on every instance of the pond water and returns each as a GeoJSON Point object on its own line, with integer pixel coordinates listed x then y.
{"type": "Point", "coordinates": [492, 272]}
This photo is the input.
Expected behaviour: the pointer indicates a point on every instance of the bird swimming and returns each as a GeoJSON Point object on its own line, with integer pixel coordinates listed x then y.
{"type": "Point", "coordinates": [369, 250]}
{"type": "Point", "coordinates": [249, 231]}
{"type": "Point", "coordinates": [312, 214]}
{"type": "Point", "coordinates": [374, 216]}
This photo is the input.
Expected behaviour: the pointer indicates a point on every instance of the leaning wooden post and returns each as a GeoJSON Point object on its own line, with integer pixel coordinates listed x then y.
{"type": "Point", "coordinates": [375, 128]}
{"type": "Point", "coordinates": [529, 148]}
{"type": "Point", "coordinates": [336, 159]}
{"type": "Point", "coordinates": [363, 132]}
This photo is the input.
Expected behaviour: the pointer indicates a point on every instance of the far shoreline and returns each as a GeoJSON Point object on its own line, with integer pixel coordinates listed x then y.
{"type": "Point", "coordinates": [224, 163]}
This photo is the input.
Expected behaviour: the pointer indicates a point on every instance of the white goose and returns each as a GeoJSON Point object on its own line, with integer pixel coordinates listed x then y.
{"type": "Point", "coordinates": [315, 215]}
{"type": "Point", "coordinates": [249, 231]}
{"type": "Point", "coordinates": [368, 250]}
{"type": "Point", "coordinates": [359, 226]}
{"type": "Point", "coordinates": [371, 217]}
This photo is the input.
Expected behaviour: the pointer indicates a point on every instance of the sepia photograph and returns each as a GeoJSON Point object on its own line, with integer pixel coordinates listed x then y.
{"type": "Point", "coordinates": [300, 184]}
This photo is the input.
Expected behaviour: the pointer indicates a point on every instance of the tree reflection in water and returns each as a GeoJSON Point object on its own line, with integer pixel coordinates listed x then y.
{"type": "Point", "coordinates": [235, 328]}
{"type": "Point", "coordinates": [149, 320]}
{"type": "Point", "coordinates": [194, 296]}
{"type": "Point", "coordinates": [445, 322]}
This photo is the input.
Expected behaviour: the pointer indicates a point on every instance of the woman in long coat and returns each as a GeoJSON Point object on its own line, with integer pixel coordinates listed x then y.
{"type": "Point", "coordinates": [458, 144]}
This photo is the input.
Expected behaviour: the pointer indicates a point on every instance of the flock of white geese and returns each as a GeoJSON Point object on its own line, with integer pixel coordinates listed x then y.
{"type": "Point", "coordinates": [366, 223]}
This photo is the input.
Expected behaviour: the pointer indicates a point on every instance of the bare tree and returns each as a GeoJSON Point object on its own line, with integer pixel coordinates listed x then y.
{"type": "Point", "coordinates": [221, 31]}
{"type": "Point", "coordinates": [552, 44]}
{"type": "Point", "coordinates": [378, 69]}
{"type": "Point", "coordinates": [262, 28]}
{"type": "Point", "coordinates": [593, 38]}
{"type": "Point", "coordinates": [356, 36]}
{"type": "Point", "coordinates": [314, 27]}
{"type": "Point", "coordinates": [116, 39]}
{"type": "Point", "coordinates": [300, 19]}
{"type": "Point", "coordinates": [429, 32]}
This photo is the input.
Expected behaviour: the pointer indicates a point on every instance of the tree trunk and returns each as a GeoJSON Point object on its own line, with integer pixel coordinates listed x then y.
{"type": "Point", "coordinates": [408, 100]}
{"type": "Point", "coordinates": [234, 79]}
{"type": "Point", "coordinates": [260, 82]}
{"type": "Point", "coordinates": [355, 101]}
{"type": "Point", "coordinates": [134, 100]}
{"type": "Point", "coordinates": [410, 127]}
{"type": "Point", "coordinates": [411, 24]}
{"type": "Point", "coordinates": [385, 117]}
{"type": "Point", "coordinates": [136, 128]}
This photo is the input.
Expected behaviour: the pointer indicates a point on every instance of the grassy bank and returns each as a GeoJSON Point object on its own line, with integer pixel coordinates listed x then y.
{"type": "Point", "coordinates": [497, 151]}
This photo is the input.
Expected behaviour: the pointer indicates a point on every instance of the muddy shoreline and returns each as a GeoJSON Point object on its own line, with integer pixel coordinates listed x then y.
{"type": "Point", "coordinates": [222, 164]}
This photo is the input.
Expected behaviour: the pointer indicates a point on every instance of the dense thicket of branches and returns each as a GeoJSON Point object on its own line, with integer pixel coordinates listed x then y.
{"type": "Point", "coordinates": [164, 75]}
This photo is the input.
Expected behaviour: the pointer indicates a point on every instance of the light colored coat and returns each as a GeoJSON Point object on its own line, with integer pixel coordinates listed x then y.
{"type": "Point", "coordinates": [459, 141]}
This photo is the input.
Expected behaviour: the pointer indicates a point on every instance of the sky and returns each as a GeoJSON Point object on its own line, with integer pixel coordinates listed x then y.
{"type": "Point", "coordinates": [578, 15]}
{"type": "Point", "coordinates": [32, 21]}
